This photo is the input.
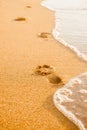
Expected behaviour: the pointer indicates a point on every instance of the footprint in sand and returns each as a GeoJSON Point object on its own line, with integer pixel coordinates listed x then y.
{"type": "Point", "coordinates": [44, 35]}
{"type": "Point", "coordinates": [49, 72]}
{"type": "Point", "coordinates": [28, 6]}
{"type": "Point", "coordinates": [20, 19]}
{"type": "Point", "coordinates": [44, 70]}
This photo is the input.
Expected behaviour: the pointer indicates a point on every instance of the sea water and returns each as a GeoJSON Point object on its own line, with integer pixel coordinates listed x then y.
{"type": "Point", "coordinates": [71, 30]}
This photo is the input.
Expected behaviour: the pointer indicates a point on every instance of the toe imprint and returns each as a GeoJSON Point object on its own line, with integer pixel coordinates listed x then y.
{"type": "Point", "coordinates": [44, 70]}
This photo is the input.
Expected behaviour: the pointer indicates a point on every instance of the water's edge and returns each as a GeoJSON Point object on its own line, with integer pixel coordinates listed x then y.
{"type": "Point", "coordinates": [61, 40]}
{"type": "Point", "coordinates": [61, 98]}
{"type": "Point", "coordinates": [74, 92]}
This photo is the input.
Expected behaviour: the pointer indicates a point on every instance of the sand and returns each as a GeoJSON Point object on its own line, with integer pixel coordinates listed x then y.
{"type": "Point", "coordinates": [26, 98]}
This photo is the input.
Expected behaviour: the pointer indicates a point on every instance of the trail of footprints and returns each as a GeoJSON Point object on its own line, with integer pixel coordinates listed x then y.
{"type": "Point", "coordinates": [43, 35]}
{"type": "Point", "coordinates": [44, 70]}
{"type": "Point", "coordinates": [22, 18]}
{"type": "Point", "coordinates": [49, 73]}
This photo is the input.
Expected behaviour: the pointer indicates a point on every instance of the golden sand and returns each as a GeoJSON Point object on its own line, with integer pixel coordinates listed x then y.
{"type": "Point", "coordinates": [26, 98]}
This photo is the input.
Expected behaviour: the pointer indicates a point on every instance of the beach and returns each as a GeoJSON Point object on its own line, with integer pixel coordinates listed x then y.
{"type": "Point", "coordinates": [26, 98]}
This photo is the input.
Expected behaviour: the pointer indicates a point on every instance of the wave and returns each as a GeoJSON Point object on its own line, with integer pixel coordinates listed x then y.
{"type": "Point", "coordinates": [71, 31]}
{"type": "Point", "coordinates": [65, 4]}
{"type": "Point", "coordinates": [75, 93]}
{"type": "Point", "coordinates": [70, 24]}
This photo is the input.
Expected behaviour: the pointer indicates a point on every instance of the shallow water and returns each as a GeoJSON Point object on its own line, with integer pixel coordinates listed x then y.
{"type": "Point", "coordinates": [71, 100]}
{"type": "Point", "coordinates": [71, 30]}
{"type": "Point", "coordinates": [70, 23]}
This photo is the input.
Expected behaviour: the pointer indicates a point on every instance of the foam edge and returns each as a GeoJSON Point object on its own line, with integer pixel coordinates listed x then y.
{"type": "Point", "coordinates": [68, 114]}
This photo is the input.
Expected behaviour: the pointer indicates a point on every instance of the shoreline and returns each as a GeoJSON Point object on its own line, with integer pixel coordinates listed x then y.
{"type": "Point", "coordinates": [27, 99]}
{"type": "Point", "coordinates": [56, 33]}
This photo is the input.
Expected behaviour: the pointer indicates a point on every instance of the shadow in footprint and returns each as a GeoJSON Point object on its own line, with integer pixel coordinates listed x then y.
{"type": "Point", "coordinates": [54, 79]}
{"type": "Point", "coordinates": [49, 72]}
{"type": "Point", "coordinates": [49, 106]}
{"type": "Point", "coordinates": [20, 19]}
{"type": "Point", "coordinates": [44, 35]}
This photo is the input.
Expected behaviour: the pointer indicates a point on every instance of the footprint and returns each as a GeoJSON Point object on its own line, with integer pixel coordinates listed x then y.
{"type": "Point", "coordinates": [28, 6]}
{"type": "Point", "coordinates": [49, 72]}
{"type": "Point", "coordinates": [44, 70]}
{"type": "Point", "coordinates": [44, 35]}
{"type": "Point", "coordinates": [20, 19]}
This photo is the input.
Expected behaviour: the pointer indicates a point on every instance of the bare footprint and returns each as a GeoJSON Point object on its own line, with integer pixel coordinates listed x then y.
{"type": "Point", "coordinates": [44, 35]}
{"type": "Point", "coordinates": [20, 19]}
{"type": "Point", "coordinates": [49, 72]}
{"type": "Point", "coordinates": [28, 6]}
{"type": "Point", "coordinates": [44, 70]}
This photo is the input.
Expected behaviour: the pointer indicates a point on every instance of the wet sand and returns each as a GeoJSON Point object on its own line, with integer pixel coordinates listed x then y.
{"type": "Point", "coordinates": [26, 95]}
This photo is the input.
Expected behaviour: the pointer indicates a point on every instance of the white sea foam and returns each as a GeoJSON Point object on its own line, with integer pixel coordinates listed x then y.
{"type": "Point", "coordinates": [70, 24]}
{"type": "Point", "coordinates": [71, 31]}
{"type": "Point", "coordinates": [65, 4]}
{"type": "Point", "coordinates": [77, 112]}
